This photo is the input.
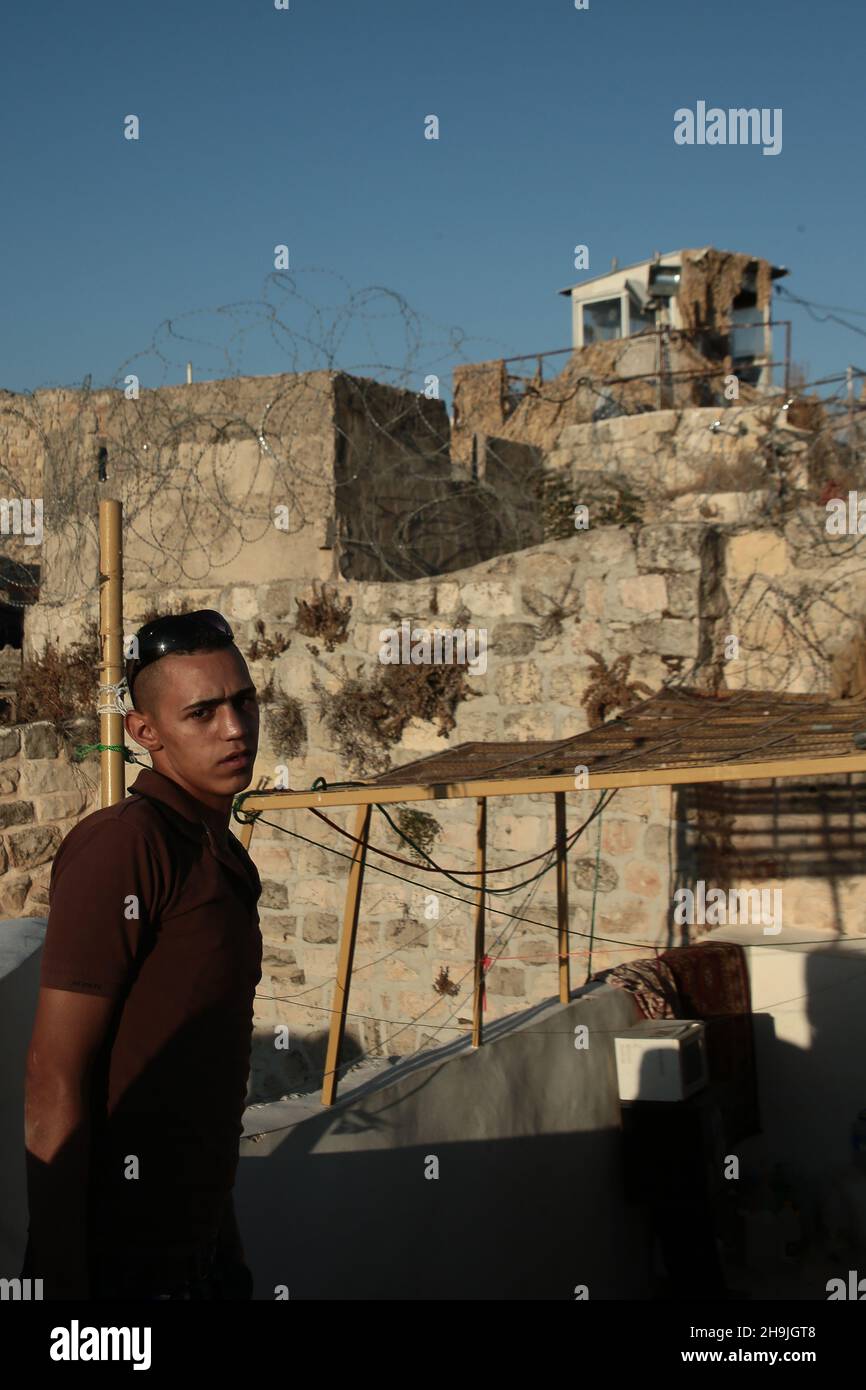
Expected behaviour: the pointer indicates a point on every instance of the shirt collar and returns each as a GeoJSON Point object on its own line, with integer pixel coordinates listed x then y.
{"type": "Point", "coordinates": [158, 787]}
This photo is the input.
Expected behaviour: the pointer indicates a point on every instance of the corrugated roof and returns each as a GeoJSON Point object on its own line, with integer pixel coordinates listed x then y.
{"type": "Point", "coordinates": [679, 728]}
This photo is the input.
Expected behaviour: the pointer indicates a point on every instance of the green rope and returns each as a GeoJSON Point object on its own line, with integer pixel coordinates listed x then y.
{"type": "Point", "coordinates": [82, 750]}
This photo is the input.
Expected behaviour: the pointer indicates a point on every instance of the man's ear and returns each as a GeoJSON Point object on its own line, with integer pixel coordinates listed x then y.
{"type": "Point", "coordinates": [140, 729]}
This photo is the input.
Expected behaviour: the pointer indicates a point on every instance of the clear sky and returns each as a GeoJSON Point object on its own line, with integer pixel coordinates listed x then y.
{"type": "Point", "coordinates": [305, 126]}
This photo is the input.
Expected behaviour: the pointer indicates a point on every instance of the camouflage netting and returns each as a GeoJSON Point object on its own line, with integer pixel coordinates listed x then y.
{"type": "Point", "coordinates": [710, 282]}
{"type": "Point", "coordinates": [619, 377]}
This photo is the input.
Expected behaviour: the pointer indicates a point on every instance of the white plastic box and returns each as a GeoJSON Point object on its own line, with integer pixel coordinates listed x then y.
{"type": "Point", "coordinates": [661, 1059]}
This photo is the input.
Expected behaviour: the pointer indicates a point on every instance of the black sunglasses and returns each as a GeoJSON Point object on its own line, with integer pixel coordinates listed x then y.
{"type": "Point", "coordinates": [176, 632]}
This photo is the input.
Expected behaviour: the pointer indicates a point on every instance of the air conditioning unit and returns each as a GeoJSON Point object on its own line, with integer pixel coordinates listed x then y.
{"type": "Point", "coordinates": [663, 1059]}
{"type": "Point", "coordinates": [663, 281]}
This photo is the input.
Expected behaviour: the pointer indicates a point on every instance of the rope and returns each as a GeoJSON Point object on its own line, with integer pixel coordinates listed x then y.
{"type": "Point", "coordinates": [82, 750]}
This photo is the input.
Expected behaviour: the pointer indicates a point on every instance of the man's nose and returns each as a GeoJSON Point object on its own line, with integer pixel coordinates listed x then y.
{"type": "Point", "coordinates": [235, 724]}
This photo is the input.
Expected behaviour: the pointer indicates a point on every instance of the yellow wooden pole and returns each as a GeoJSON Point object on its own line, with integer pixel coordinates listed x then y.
{"type": "Point", "coordinates": [112, 779]}
{"type": "Point", "coordinates": [347, 952]}
{"type": "Point", "coordinates": [562, 900]}
{"type": "Point", "coordinates": [481, 865]}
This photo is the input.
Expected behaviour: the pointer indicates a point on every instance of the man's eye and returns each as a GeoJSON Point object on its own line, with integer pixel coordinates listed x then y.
{"type": "Point", "coordinates": [197, 712]}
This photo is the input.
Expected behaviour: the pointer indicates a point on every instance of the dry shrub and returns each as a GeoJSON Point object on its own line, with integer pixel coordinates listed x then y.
{"type": "Point", "coordinates": [420, 827]}
{"type": "Point", "coordinates": [61, 685]}
{"type": "Point", "coordinates": [270, 647]}
{"type": "Point", "coordinates": [367, 716]}
{"type": "Point", "coordinates": [833, 467]}
{"type": "Point", "coordinates": [286, 726]}
{"type": "Point", "coordinates": [443, 984]}
{"type": "Point", "coordinates": [609, 688]}
{"type": "Point", "coordinates": [324, 616]}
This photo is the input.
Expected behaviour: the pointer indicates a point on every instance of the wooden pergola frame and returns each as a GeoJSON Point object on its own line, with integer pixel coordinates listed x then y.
{"type": "Point", "coordinates": [364, 798]}
{"type": "Point", "coordinates": [792, 731]}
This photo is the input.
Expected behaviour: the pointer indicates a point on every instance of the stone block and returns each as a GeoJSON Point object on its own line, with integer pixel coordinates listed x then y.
{"type": "Point", "coordinates": [397, 969]}
{"type": "Point", "coordinates": [656, 843]}
{"type": "Point", "coordinates": [15, 813]}
{"type": "Point", "coordinates": [321, 927]}
{"type": "Point", "coordinates": [669, 547]}
{"type": "Point", "coordinates": [642, 878]}
{"type": "Point", "coordinates": [645, 593]}
{"type": "Point", "coordinates": [240, 603]}
{"type": "Point", "coordinates": [594, 598]}
{"type": "Point", "coordinates": [756, 552]}
{"type": "Point", "coordinates": [519, 683]}
{"type": "Point", "coordinates": [683, 593]}
{"type": "Point", "coordinates": [668, 637]}
{"type": "Point", "coordinates": [273, 894]}
{"type": "Point", "coordinates": [13, 895]}
{"type": "Point", "coordinates": [52, 775]}
{"type": "Point", "coordinates": [33, 846]}
{"type": "Point", "coordinates": [584, 874]}
{"type": "Point", "coordinates": [9, 778]}
{"type": "Point", "coordinates": [619, 836]}
{"type": "Point", "coordinates": [505, 979]}
{"type": "Point", "coordinates": [487, 599]}
{"type": "Point", "coordinates": [10, 743]}
{"type": "Point", "coordinates": [41, 740]}
{"type": "Point", "coordinates": [512, 639]}
{"type": "Point", "coordinates": [566, 686]}
{"type": "Point", "coordinates": [531, 725]}
{"type": "Point", "coordinates": [407, 931]}
{"type": "Point", "coordinates": [277, 926]}
{"type": "Point", "coordinates": [61, 805]}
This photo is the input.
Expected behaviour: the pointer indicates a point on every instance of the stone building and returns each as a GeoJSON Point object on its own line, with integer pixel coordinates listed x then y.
{"type": "Point", "coordinates": [257, 496]}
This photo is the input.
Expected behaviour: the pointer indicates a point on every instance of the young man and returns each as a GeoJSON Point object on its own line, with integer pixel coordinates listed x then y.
{"type": "Point", "coordinates": [138, 1064]}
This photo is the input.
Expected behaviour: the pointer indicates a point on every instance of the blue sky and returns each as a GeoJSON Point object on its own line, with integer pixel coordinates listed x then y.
{"type": "Point", "coordinates": [306, 127]}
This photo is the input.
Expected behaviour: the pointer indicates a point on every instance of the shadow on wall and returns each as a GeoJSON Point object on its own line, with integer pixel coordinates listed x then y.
{"type": "Point", "coordinates": [796, 828]}
{"type": "Point", "coordinates": [523, 1218]}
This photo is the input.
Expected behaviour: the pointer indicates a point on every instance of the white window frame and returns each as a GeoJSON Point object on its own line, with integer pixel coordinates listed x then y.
{"type": "Point", "coordinates": [623, 298]}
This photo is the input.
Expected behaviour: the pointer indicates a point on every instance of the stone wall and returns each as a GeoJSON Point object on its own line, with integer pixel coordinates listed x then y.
{"type": "Point", "coordinates": [657, 594]}
{"type": "Point", "coordinates": [544, 610]}
{"type": "Point", "coordinates": [617, 378]}
{"type": "Point", "coordinates": [43, 794]}
{"type": "Point", "coordinates": [697, 463]}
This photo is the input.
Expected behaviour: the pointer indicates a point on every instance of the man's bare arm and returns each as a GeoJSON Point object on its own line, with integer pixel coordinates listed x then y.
{"type": "Point", "coordinates": [67, 1033]}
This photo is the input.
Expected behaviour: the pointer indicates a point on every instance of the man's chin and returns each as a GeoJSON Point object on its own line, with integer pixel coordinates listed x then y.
{"type": "Point", "coordinates": [240, 773]}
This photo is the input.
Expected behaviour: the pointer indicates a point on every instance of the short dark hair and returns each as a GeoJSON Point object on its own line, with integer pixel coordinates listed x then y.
{"type": "Point", "coordinates": [181, 634]}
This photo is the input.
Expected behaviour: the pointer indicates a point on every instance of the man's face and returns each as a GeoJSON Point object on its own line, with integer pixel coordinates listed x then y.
{"type": "Point", "coordinates": [196, 710]}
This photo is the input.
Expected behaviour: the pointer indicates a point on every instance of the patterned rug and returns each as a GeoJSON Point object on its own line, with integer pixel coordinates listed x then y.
{"type": "Point", "coordinates": [709, 981]}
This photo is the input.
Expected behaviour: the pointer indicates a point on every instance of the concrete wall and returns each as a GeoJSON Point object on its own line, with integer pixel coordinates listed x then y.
{"type": "Point", "coordinates": [528, 1201]}
{"type": "Point", "coordinates": [335, 1204]}
{"type": "Point", "coordinates": [809, 1001]}
{"type": "Point", "coordinates": [526, 1131]}
{"type": "Point", "coordinates": [20, 953]}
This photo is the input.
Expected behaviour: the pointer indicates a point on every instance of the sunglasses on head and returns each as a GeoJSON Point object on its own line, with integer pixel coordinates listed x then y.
{"type": "Point", "coordinates": [177, 632]}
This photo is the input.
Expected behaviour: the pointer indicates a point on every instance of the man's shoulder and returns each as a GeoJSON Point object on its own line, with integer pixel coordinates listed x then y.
{"type": "Point", "coordinates": [133, 819]}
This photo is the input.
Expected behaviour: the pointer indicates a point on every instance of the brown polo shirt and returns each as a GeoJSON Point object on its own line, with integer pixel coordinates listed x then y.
{"type": "Point", "coordinates": [152, 902]}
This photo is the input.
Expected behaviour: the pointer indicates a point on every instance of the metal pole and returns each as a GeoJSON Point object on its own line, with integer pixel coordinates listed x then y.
{"type": "Point", "coordinates": [347, 954]}
{"type": "Point", "coordinates": [562, 899]}
{"type": "Point", "coordinates": [787, 358]}
{"type": "Point", "coordinates": [112, 781]}
{"type": "Point", "coordinates": [480, 864]}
